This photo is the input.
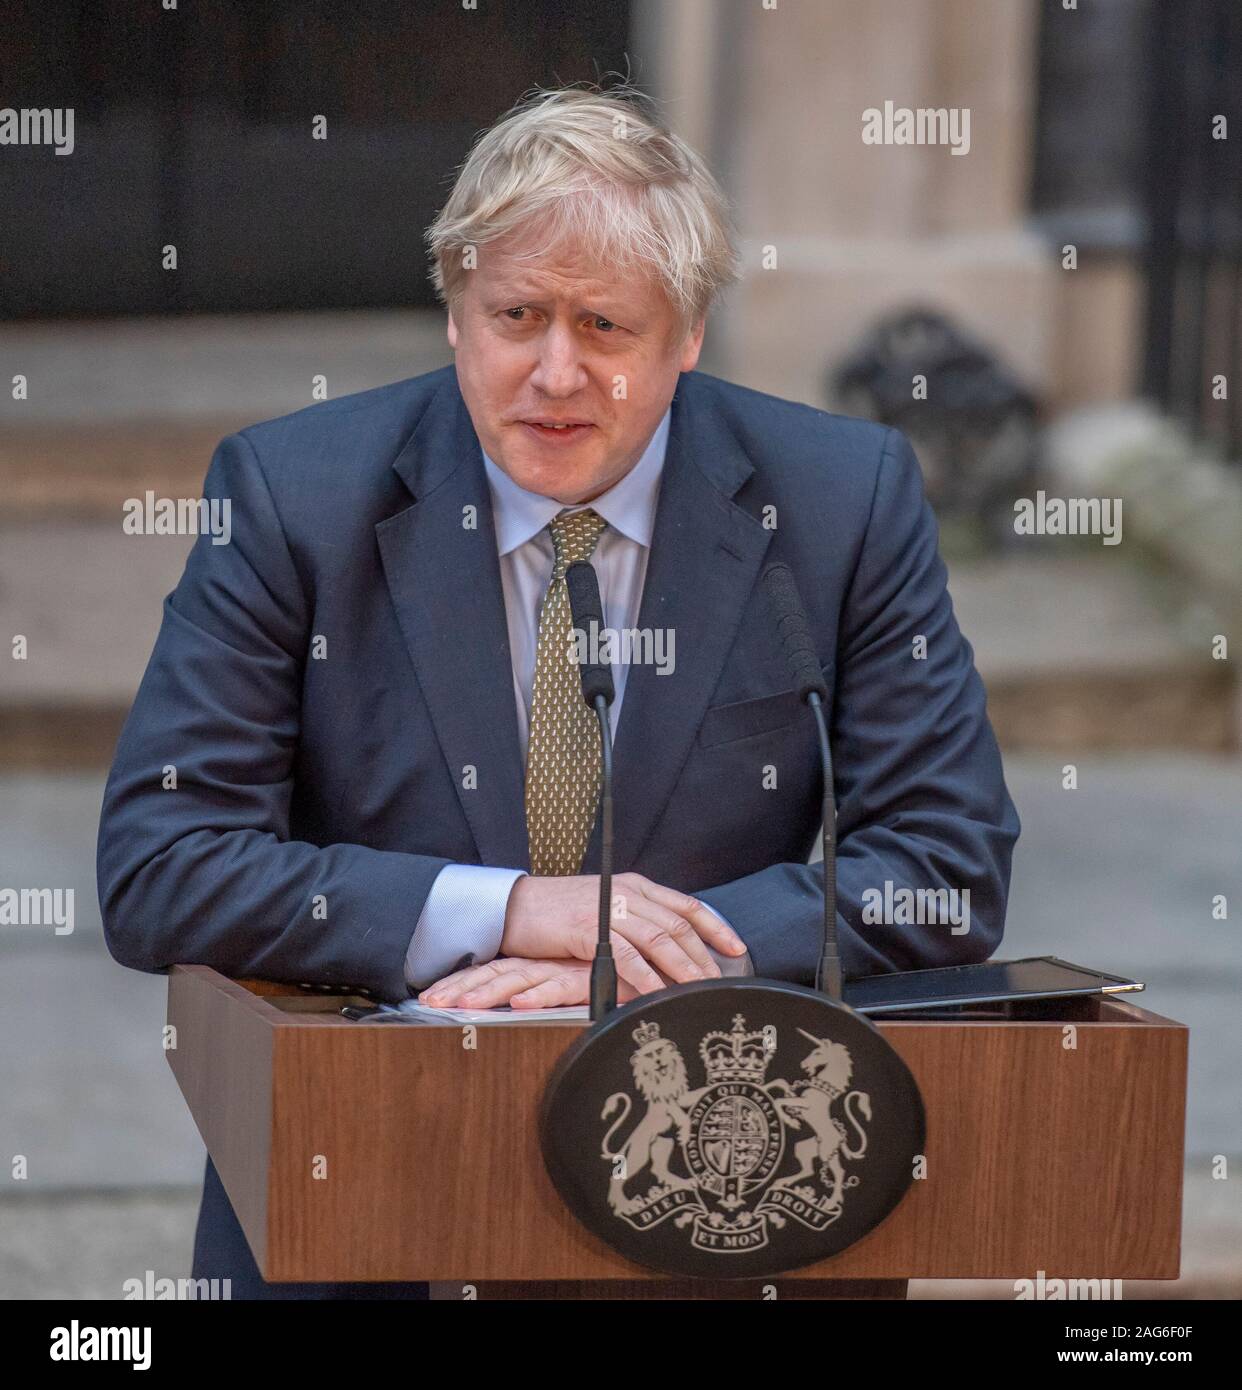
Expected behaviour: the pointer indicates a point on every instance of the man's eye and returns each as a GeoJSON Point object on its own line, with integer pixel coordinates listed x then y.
{"type": "Point", "coordinates": [516, 313]}
{"type": "Point", "coordinates": [605, 325]}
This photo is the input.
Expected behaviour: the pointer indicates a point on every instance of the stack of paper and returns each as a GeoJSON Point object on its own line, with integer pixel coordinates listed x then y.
{"type": "Point", "coordinates": [411, 1011]}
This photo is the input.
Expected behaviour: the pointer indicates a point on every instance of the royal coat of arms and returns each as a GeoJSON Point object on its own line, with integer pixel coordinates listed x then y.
{"type": "Point", "coordinates": [794, 1131]}
{"type": "Point", "coordinates": [740, 1154]}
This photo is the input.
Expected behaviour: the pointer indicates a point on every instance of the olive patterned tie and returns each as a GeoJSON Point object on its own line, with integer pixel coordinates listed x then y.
{"type": "Point", "coordinates": [562, 757]}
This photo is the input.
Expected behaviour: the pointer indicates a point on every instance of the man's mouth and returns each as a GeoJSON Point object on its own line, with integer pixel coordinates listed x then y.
{"type": "Point", "coordinates": [560, 431]}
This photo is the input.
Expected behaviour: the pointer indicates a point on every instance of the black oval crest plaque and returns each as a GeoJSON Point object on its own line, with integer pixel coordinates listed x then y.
{"type": "Point", "coordinates": [731, 1128]}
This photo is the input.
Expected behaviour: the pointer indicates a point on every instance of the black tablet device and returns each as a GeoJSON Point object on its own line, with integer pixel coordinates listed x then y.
{"type": "Point", "coordinates": [994, 981]}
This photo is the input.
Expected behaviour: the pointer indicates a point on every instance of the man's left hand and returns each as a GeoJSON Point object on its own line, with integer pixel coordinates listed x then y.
{"type": "Point", "coordinates": [520, 983]}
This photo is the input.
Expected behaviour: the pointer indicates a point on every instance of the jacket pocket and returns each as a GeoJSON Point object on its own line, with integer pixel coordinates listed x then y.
{"type": "Point", "coordinates": [746, 718]}
{"type": "Point", "coordinates": [763, 715]}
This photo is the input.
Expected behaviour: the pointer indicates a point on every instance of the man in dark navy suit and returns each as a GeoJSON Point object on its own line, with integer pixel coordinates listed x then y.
{"type": "Point", "coordinates": [384, 773]}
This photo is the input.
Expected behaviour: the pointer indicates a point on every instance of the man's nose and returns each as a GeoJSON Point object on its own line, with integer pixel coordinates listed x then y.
{"type": "Point", "coordinates": [559, 371]}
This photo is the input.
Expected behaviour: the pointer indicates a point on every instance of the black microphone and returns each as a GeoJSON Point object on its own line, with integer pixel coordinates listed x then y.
{"type": "Point", "coordinates": [588, 618]}
{"type": "Point", "coordinates": [597, 690]}
{"type": "Point", "coordinates": [795, 634]}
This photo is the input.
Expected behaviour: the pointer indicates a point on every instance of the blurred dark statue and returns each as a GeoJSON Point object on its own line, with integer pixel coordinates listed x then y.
{"type": "Point", "coordinates": [971, 420]}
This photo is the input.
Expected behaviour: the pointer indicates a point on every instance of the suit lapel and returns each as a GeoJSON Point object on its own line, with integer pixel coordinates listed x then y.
{"type": "Point", "coordinates": [706, 554]}
{"type": "Point", "coordinates": [444, 578]}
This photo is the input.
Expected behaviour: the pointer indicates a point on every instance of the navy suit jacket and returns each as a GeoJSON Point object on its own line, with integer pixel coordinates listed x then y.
{"type": "Point", "coordinates": [333, 690]}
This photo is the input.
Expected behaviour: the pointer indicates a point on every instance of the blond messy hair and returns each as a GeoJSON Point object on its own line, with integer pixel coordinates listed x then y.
{"type": "Point", "coordinates": [598, 171]}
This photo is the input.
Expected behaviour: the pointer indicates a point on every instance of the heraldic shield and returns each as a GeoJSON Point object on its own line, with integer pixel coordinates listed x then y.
{"type": "Point", "coordinates": [731, 1128]}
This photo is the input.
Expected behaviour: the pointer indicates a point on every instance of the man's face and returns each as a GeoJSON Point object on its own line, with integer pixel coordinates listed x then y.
{"type": "Point", "coordinates": [559, 340]}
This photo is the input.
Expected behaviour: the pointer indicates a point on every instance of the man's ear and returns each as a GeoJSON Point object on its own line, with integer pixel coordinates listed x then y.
{"type": "Point", "coordinates": [452, 330]}
{"type": "Point", "coordinates": [693, 345]}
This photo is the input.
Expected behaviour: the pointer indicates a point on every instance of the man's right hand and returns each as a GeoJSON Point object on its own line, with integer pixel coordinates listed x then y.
{"type": "Point", "coordinates": [557, 918]}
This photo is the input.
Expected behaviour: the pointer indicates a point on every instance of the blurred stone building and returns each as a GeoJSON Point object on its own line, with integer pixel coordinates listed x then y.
{"type": "Point", "coordinates": [1090, 128]}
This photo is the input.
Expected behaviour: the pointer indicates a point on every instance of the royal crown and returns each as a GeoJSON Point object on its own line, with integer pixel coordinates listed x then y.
{"type": "Point", "coordinates": [645, 1033]}
{"type": "Point", "coordinates": [735, 1056]}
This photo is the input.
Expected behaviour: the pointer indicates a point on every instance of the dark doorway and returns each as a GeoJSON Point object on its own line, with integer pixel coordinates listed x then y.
{"type": "Point", "coordinates": [193, 129]}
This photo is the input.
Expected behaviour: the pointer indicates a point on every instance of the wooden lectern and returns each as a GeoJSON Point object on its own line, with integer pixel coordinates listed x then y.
{"type": "Point", "coordinates": [371, 1151]}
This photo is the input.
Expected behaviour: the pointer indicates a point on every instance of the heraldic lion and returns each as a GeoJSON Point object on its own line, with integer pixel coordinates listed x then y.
{"type": "Point", "coordinates": [661, 1078]}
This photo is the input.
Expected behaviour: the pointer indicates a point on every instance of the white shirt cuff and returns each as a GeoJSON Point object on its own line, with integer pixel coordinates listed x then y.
{"type": "Point", "coordinates": [462, 922]}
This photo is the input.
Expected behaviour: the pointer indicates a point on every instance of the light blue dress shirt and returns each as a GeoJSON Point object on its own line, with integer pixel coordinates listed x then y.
{"type": "Point", "coordinates": [464, 914]}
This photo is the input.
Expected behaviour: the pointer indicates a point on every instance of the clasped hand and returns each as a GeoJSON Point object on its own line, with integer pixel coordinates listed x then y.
{"type": "Point", "coordinates": [551, 927]}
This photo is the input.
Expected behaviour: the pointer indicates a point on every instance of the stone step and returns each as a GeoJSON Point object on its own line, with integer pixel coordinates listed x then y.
{"type": "Point", "coordinates": [114, 408]}
{"type": "Point", "coordinates": [1088, 650]}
